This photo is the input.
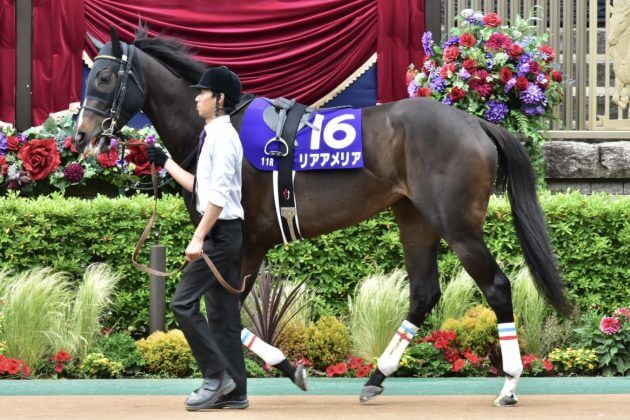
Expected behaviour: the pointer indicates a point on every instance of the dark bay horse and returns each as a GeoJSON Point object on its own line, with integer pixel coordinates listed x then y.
{"type": "Point", "coordinates": [434, 165]}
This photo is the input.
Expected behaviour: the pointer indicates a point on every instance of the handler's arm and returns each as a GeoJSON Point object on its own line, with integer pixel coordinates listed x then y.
{"type": "Point", "coordinates": [210, 216]}
{"type": "Point", "coordinates": [182, 176]}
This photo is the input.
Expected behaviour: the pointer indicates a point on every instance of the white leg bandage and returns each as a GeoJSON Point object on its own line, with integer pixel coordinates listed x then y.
{"type": "Point", "coordinates": [512, 363]}
{"type": "Point", "coordinates": [270, 354]}
{"type": "Point", "coordinates": [389, 360]}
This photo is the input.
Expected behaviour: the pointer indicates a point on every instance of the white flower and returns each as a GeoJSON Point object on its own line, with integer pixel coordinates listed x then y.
{"type": "Point", "coordinates": [501, 58]}
{"type": "Point", "coordinates": [467, 13]}
{"type": "Point", "coordinates": [419, 78]}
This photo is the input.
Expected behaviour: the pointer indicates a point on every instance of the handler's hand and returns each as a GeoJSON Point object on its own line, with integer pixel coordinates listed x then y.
{"type": "Point", "coordinates": [194, 249]}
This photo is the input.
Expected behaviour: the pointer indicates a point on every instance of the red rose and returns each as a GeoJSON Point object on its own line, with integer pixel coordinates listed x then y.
{"type": "Point", "coordinates": [470, 65]}
{"type": "Point", "coordinates": [515, 51]}
{"type": "Point", "coordinates": [482, 74]}
{"type": "Point", "coordinates": [556, 76]}
{"type": "Point", "coordinates": [447, 71]}
{"type": "Point", "coordinates": [497, 42]}
{"type": "Point", "coordinates": [108, 159]}
{"type": "Point", "coordinates": [451, 53]}
{"type": "Point", "coordinates": [423, 92]}
{"type": "Point", "coordinates": [139, 156]}
{"type": "Point", "coordinates": [506, 74]}
{"type": "Point", "coordinates": [69, 144]}
{"type": "Point", "coordinates": [492, 20]}
{"type": "Point", "coordinates": [522, 83]}
{"type": "Point", "coordinates": [548, 51]}
{"type": "Point", "coordinates": [13, 143]}
{"type": "Point", "coordinates": [3, 166]}
{"type": "Point", "coordinates": [482, 87]}
{"type": "Point", "coordinates": [456, 94]}
{"type": "Point", "coordinates": [40, 158]}
{"type": "Point", "coordinates": [534, 67]}
{"type": "Point", "coordinates": [467, 40]}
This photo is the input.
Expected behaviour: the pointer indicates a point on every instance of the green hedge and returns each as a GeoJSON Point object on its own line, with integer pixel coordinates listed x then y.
{"type": "Point", "coordinates": [591, 235]}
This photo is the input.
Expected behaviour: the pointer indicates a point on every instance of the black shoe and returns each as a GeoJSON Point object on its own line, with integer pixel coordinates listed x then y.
{"type": "Point", "coordinates": [237, 402]}
{"type": "Point", "coordinates": [210, 392]}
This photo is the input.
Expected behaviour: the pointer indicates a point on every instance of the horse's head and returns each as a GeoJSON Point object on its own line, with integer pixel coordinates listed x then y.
{"type": "Point", "coordinates": [115, 91]}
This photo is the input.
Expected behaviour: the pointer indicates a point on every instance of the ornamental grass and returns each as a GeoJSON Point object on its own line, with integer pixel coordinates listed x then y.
{"type": "Point", "coordinates": [380, 304]}
{"type": "Point", "coordinates": [458, 296]}
{"type": "Point", "coordinates": [530, 310]}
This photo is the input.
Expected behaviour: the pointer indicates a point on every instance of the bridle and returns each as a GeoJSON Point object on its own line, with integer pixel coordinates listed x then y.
{"type": "Point", "coordinates": [116, 100]}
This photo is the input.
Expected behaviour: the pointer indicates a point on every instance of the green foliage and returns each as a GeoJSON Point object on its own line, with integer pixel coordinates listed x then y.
{"type": "Point", "coordinates": [3, 345]}
{"type": "Point", "coordinates": [609, 337]}
{"type": "Point", "coordinates": [530, 309]}
{"type": "Point", "coordinates": [253, 368]}
{"type": "Point", "coordinates": [292, 340]}
{"type": "Point", "coordinates": [423, 360]}
{"type": "Point", "coordinates": [380, 304]}
{"type": "Point", "coordinates": [327, 342]}
{"type": "Point", "coordinates": [31, 302]}
{"type": "Point", "coordinates": [167, 354]}
{"type": "Point", "coordinates": [476, 330]}
{"type": "Point", "coordinates": [120, 347]}
{"type": "Point", "coordinates": [590, 236]}
{"type": "Point", "coordinates": [574, 361]}
{"type": "Point", "coordinates": [96, 365]}
{"type": "Point", "coordinates": [458, 296]}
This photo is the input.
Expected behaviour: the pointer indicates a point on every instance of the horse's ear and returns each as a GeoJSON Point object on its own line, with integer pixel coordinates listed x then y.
{"type": "Point", "coordinates": [116, 47]}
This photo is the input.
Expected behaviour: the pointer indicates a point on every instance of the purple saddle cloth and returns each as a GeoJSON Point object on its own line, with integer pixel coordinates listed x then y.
{"type": "Point", "coordinates": [336, 145]}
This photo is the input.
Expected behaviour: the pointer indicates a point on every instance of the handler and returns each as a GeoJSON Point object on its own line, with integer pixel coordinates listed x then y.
{"type": "Point", "coordinates": [216, 186]}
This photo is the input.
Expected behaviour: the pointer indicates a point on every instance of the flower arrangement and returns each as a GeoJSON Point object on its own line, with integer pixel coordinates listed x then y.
{"type": "Point", "coordinates": [503, 74]}
{"type": "Point", "coordinates": [609, 338]}
{"type": "Point", "coordinates": [45, 156]}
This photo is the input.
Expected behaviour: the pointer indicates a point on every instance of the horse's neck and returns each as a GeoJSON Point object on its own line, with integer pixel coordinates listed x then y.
{"type": "Point", "coordinates": [170, 106]}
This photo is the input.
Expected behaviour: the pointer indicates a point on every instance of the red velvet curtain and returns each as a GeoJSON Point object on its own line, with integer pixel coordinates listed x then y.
{"type": "Point", "coordinates": [7, 61]}
{"type": "Point", "coordinates": [301, 49]}
{"type": "Point", "coordinates": [58, 32]}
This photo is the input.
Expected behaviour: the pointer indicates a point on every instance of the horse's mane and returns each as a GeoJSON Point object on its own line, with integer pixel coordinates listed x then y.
{"type": "Point", "coordinates": [172, 53]}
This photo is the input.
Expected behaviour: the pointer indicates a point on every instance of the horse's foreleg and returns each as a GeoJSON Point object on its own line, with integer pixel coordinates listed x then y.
{"type": "Point", "coordinates": [495, 286]}
{"type": "Point", "coordinates": [420, 244]}
{"type": "Point", "coordinates": [273, 356]}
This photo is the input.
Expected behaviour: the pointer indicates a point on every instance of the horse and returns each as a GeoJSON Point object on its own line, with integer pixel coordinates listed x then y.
{"type": "Point", "coordinates": [434, 165]}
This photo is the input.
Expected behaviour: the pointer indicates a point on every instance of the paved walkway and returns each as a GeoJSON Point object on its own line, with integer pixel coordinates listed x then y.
{"type": "Point", "coordinates": [564, 398]}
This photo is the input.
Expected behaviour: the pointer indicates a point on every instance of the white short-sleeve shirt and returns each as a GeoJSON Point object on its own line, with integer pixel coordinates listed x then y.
{"type": "Point", "coordinates": [219, 169]}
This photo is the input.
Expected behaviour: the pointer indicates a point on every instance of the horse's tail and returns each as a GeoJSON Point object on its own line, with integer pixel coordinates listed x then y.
{"type": "Point", "coordinates": [516, 168]}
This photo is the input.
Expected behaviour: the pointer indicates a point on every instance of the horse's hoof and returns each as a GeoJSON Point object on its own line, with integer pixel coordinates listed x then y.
{"type": "Point", "coordinates": [505, 400]}
{"type": "Point", "coordinates": [300, 376]}
{"type": "Point", "coordinates": [370, 392]}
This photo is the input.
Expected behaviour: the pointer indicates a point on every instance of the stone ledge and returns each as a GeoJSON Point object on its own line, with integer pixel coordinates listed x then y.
{"type": "Point", "coordinates": [581, 160]}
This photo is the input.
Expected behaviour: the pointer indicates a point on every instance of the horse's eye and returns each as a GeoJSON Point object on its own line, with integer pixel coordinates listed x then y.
{"type": "Point", "coordinates": [103, 79]}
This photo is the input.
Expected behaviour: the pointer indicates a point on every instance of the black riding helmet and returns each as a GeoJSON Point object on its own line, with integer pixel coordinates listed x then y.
{"type": "Point", "coordinates": [222, 80]}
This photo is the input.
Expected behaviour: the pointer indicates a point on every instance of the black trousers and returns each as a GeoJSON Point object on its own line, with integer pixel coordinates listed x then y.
{"type": "Point", "coordinates": [215, 342]}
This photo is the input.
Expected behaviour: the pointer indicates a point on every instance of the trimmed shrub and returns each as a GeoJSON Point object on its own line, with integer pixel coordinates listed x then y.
{"type": "Point", "coordinates": [167, 354]}
{"type": "Point", "coordinates": [590, 235]}
{"type": "Point", "coordinates": [292, 340]}
{"type": "Point", "coordinates": [96, 365]}
{"type": "Point", "coordinates": [120, 347]}
{"type": "Point", "coordinates": [477, 330]}
{"type": "Point", "coordinates": [327, 342]}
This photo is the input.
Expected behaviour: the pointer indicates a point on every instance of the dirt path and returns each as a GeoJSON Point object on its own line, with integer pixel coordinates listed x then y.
{"type": "Point", "coordinates": [319, 407]}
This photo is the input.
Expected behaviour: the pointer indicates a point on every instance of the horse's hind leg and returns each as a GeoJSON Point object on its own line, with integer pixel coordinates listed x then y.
{"type": "Point", "coordinates": [420, 245]}
{"type": "Point", "coordinates": [482, 267]}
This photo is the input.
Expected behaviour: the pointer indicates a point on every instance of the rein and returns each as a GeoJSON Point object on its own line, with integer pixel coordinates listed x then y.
{"type": "Point", "coordinates": [147, 231]}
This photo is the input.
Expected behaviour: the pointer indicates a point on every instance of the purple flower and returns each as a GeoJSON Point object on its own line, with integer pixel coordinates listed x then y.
{"type": "Point", "coordinates": [532, 111]}
{"type": "Point", "coordinates": [533, 95]}
{"type": "Point", "coordinates": [475, 19]}
{"type": "Point", "coordinates": [523, 68]}
{"type": "Point", "coordinates": [4, 146]}
{"type": "Point", "coordinates": [542, 79]}
{"type": "Point", "coordinates": [73, 172]}
{"type": "Point", "coordinates": [427, 44]}
{"type": "Point", "coordinates": [609, 325]}
{"type": "Point", "coordinates": [113, 143]}
{"type": "Point", "coordinates": [452, 41]}
{"type": "Point", "coordinates": [412, 89]}
{"type": "Point", "coordinates": [464, 74]}
{"type": "Point", "coordinates": [510, 85]}
{"type": "Point", "coordinates": [496, 112]}
{"type": "Point", "coordinates": [150, 140]}
{"type": "Point", "coordinates": [437, 84]}
{"type": "Point", "coordinates": [447, 100]}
